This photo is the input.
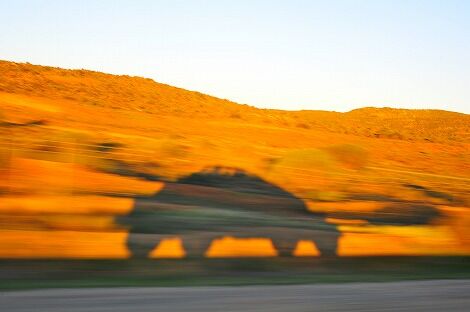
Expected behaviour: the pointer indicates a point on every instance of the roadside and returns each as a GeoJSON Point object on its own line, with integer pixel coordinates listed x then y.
{"type": "Point", "coordinates": [34, 274]}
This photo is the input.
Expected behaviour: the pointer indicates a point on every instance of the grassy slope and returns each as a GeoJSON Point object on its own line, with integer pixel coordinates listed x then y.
{"type": "Point", "coordinates": [338, 161]}
{"type": "Point", "coordinates": [135, 94]}
{"type": "Point", "coordinates": [86, 101]}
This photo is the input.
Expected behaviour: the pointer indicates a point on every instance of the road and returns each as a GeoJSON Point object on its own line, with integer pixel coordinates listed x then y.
{"type": "Point", "coordinates": [442, 295]}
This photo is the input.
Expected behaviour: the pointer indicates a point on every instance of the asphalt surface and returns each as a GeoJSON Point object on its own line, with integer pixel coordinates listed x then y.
{"type": "Point", "coordinates": [441, 295]}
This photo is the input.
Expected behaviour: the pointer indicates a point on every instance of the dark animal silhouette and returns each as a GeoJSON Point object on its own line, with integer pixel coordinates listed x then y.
{"type": "Point", "coordinates": [222, 201]}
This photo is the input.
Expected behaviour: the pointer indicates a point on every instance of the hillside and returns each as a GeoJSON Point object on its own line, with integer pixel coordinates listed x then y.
{"type": "Point", "coordinates": [81, 152]}
{"type": "Point", "coordinates": [95, 89]}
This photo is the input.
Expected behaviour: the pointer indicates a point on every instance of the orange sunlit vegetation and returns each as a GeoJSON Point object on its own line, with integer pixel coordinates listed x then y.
{"type": "Point", "coordinates": [85, 155]}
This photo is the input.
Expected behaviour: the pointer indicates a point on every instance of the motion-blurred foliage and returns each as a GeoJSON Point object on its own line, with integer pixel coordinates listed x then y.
{"type": "Point", "coordinates": [83, 143]}
{"type": "Point", "coordinates": [352, 156]}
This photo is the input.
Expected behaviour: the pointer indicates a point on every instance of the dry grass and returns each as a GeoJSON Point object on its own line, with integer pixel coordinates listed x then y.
{"type": "Point", "coordinates": [98, 130]}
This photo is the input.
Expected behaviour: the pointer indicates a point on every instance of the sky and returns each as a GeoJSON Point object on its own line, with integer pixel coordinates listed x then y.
{"type": "Point", "coordinates": [292, 54]}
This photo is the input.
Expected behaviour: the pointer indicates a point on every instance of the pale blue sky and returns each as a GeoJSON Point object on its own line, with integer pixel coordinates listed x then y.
{"type": "Point", "coordinates": [292, 54]}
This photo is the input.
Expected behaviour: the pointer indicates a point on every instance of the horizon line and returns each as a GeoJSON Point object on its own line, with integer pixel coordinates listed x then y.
{"type": "Point", "coordinates": [221, 98]}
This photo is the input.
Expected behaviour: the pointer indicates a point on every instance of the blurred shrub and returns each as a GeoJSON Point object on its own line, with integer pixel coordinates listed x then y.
{"type": "Point", "coordinates": [305, 159]}
{"type": "Point", "coordinates": [302, 169]}
{"type": "Point", "coordinates": [350, 155]}
{"type": "Point", "coordinates": [173, 149]}
{"type": "Point", "coordinates": [303, 125]}
{"type": "Point", "coordinates": [389, 134]}
{"type": "Point", "coordinates": [236, 115]}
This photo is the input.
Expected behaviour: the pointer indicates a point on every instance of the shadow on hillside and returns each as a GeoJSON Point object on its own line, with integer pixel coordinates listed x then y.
{"type": "Point", "coordinates": [219, 202]}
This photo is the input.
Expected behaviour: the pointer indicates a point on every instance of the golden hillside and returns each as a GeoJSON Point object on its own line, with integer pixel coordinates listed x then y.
{"type": "Point", "coordinates": [79, 148]}
{"type": "Point", "coordinates": [95, 89]}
